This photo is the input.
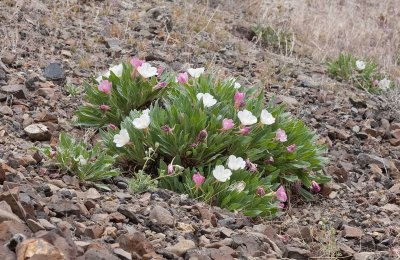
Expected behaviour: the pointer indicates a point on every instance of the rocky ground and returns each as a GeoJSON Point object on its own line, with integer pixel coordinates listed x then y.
{"type": "Point", "coordinates": [48, 47]}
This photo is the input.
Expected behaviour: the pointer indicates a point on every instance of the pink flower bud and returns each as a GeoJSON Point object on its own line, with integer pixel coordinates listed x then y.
{"type": "Point", "coordinates": [252, 167]}
{"type": "Point", "coordinates": [53, 153]}
{"type": "Point", "coordinates": [281, 205]}
{"type": "Point", "coordinates": [198, 179]}
{"type": "Point", "coordinates": [315, 186]}
{"type": "Point", "coordinates": [260, 191]}
{"type": "Point", "coordinates": [182, 78]}
{"type": "Point", "coordinates": [137, 62]}
{"type": "Point", "coordinates": [291, 148]}
{"type": "Point", "coordinates": [227, 124]}
{"type": "Point", "coordinates": [269, 160]}
{"type": "Point", "coordinates": [281, 194]}
{"type": "Point", "coordinates": [170, 168]}
{"type": "Point", "coordinates": [104, 107]}
{"type": "Point", "coordinates": [105, 87]}
{"type": "Point", "coordinates": [160, 70]}
{"type": "Point", "coordinates": [281, 135]}
{"type": "Point", "coordinates": [239, 99]}
{"type": "Point", "coordinates": [112, 126]}
{"type": "Point", "coordinates": [161, 84]}
{"type": "Point", "coordinates": [245, 130]}
{"type": "Point", "coordinates": [202, 135]}
{"type": "Point", "coordinates": [166, 129]}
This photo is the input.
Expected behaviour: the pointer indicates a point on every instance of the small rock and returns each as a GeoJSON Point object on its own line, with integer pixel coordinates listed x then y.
{"type": "Point", "coordinates": [37, 132]}
{"type": "Point", "coordinates": [46, 92]}
{"type": "Point", "coordinates": [129, 211]}
{"type": "Point", "coordinates": [17, 91]}
{"type": "Point", "coordinates": [97, 254]}
{"type": "Point", "coordinates": [54, 71]}
{"type": "Point", "coordinates": [297, 253]}
{"type": "Point", "coordinates": [391, 208]}
{"type": "Point", "coordinates": [7, 215]}
{"type": "Point", "coordinates": [34, 225]}
{"type": "Point", "coordinates": [352, 232]}
{"type": "Point", "coordinates": [46, 224]}
{"type": "Point", "coordinates": [136, 243]}
{"type": "Point", "coordinates": [364, 256]}
{"type": "Point", "coordinates": [122, 254]}
{"type": "Point", "coordinates": [6, 110]}
{"type": "Point", "coordinates": [114, 45]}
{"type": "Point", "coordinates": [181, 247]}
{"type": "Point", "coordinates": [38, 249]}
{"type": "Point", "coordinates": [94, 231]}
{"type": "Point", "coordinates": [9, 58]}
{"type": "Point", "coordinates": [161, 216]}
{"type": "Point", "coordinates": [92, 193]}
{"type": "Point", "coordinates": [63, 208]}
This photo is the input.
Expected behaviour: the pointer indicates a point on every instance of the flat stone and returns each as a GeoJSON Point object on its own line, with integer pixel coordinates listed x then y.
{"type": "Point", "coordinates": [122, 254]}
{"type": "Point", "coordinates": [17, 91]}
{"type": "Point", "coordinates": [135, 243]}
{"type": "Point", "coordinates": [92, 193]}
{"type": "Point", "coordinates": [352, 232]}
{"type": "Point", "coordinates": [37, 132]}
{"type": "Point", "coordinates": [34, 225]}
{"type": "Point", "coordinates": [6, 110]}
{"type": "Point", "coordinates": [54, 71]}
{"type": "Point", "coordinates": [46, 224]}
{"type": "Point", "coordinates": [181, 247]}
{"type": "Point", "coordinates": [392, 208]}
{"type": "Point", "coordinates": [364, 256]}
{"type": "Point", "coordinates": [6, 215]}
{"type": "Point", "coordinates": [161, 216]}
{"type": "Point", "coordinates": [297, 253]}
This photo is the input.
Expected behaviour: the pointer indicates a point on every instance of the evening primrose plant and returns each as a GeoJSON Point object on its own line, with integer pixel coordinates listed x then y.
{"type": "Point", "coordinates": [201, 122]}
{"type": "Point", "coordinates": [111, 97]}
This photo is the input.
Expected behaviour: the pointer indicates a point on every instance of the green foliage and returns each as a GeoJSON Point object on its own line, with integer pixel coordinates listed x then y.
{"type": "Point", "coordinates": [345, 68]}
{"type": "Point", "coordinates": [72, 90]}
{"type": "Point", "coordinates": [80, 159]}
{"type": "Point", "coordinates": [272, 37]}
{"type": "Point", "coordinates": [185, 131]}
{"type": "Point", "coordinates": [127, 93]}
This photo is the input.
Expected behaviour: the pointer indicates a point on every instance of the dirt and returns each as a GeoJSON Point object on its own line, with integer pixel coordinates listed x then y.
{"type": "Point", "coordinates": [47, 46]}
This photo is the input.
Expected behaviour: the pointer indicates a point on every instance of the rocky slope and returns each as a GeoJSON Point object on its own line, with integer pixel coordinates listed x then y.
{"type": "Point", "coordinates": [51, 45]}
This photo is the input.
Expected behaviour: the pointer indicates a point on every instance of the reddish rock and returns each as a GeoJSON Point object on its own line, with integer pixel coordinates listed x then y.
{"type": "Point", "coordinates": [135, 243]}
{"type": "Point", "coordinates": [352, 232]}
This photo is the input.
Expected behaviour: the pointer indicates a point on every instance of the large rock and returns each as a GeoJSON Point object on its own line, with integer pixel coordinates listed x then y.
{"type": "Point", "coordinates": [6, 215]}
{"type": "Point", "coordinates": [37, 132]}
{"type": "Point", "coordinates": [17, 91]}
{"type": "Point", "coordinates": [38, 249]}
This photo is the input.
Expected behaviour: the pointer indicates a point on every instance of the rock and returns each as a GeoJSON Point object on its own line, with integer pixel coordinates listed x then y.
{"type": "Point", "coordinates": [181, 247]}
{"type": "Point", "coordinates": [297, 253]}
{"type": "Point", "coordinates": [46, 224]}
{"type": "Point", "coordinates": [303, 233]}
{"type": "Point", "coordinates": [391, 208]}
{"type": "Point", "coordinates": [46, 92]}
{"type": "Point", "coordinates": [7, 254]}
{"type": "Point", "coordinates": [161, 216]}
{"type": "Point", "coordinates": [122, 254]}
{"type": "Point", "coordinates": [352, 232]}
{"type": "Point", "coordinates": [6, 110]}
{"type": "Point", "coordinates": [17, 91]}
{"type": "Point", "coordinates": [395, 133]}
{"type": "Point", "coordinates": [9, 229]}
{"type": "Point", "coordinates": [61, 239]}
{"type": "Point", "coordinates": [345, 249]}
{"type": "Point", "coordinates": [38, 249]}
{"type": "Point", "coordinates": [9, 58]}
{"type": "Point", "coordinates": [109, 206]}
{"type": "Point", "coordinates": [114, 45]}
{"type": "Point", "coordinates": [12, 198]}
{"type": "Point", "coordinates": [34, 225]}
{"type": "Point", "coordinates": [364, 256]}
{"type": "Point", "coordinates": [97, 254]}
{"type": "Point", "coordinates": [92, 193]}
{"type": "Point", "coordinates": [37, 132]}
{"type": "Point", "coordinates": [135, 243]}
{"type": "Point", "coordinates": [340, 134]}
{"type": "Point", "coordinates": [7, 215]}
{"type": "Point", "coordinates": [129, 211]}
{"type": "Point", "coordinates": [290, 101]}
{"type": "Point", "coordinates": [54, 71]}
{"type": "Point", "coordinates": [94, 231]}
{"type": "Point", "coordinates": [364, 159]}
{"type": "Point", "coordinates": [63, 208]}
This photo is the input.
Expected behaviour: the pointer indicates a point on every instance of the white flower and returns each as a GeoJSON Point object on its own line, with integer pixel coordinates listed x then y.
{"type": "Point", "coordinates": [236, 85]}
{"type": "Point", "coordinates": [238, 186]}
{"type": "Point", "coordinates": [117, 70]}
{"type": "Point", "coordinates": [147, 71]}
{"type": "Point", "coordinates": [122, 138]}
{"type": "Point", "coordinates": [146, 111]}
{"type": "Point", "coordinates": [81, 159]}
{"type": "Point", "coordinates": [384, 84]}
{"type": "Point", "coordinates": [246, 117]}
{"type": "Point", "coordinates": [236, 163]}
{"type": "Point", "coordinates": [266, 118]}
{"type": "Point", "coordinates": [221, 174]}
{"type": "Point", "coordinates": [195, 73]}
{"type": "Point", "coordinates": [143, 121]}
{"type": "Point", "coordinates": [360, 65]}
{"type": "Point", "coordinates": [208, 99]}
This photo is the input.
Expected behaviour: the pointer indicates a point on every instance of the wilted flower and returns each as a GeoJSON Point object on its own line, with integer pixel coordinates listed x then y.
{"type": "Point", "coordinates": [137, 62]}
{"type": "Point", "coordinates": [202, 135]}
{"type": "Point", "coordinates": [246, 117]}
{"type": "Point", "coordinates": [221, 174]}
{"type": "Point", "coordinates": [182, 78]}
{"type": "Point", "coordinates": [291, 148]}
{"type": "Point", "coordinates": [104, 107]}
{"type": "Point", "coordinates": [112, 126]}
{"type": "Point", "coordinates": [360, 65]}
{"type": "Point", "coordinates": [266, 118]}
{"type": "Point", "coordinates": [384, 84]}
{"type": "Point", "coordinates": [105, 86]}
{"type": "Point", "coordinates": [166, 129]}
{"type": "Point", "coordinates": [143, 121]}
{"type": "Point", "coordinates": [238, 186]}
{"type": "Point", "coordinates": [245, 130]}
{"type": "Point", "coordinates": [239, 99]}
{"type": "Point", "coordinates": [227, 124]}
{"type": "Point", "coordinates": [252, 167]}
{"type": "Point", "coordinates": [315, 186]}
{"type": "Point", "coordinates": [146, 70]}
{"type": "Point", "coordinates": [198, 179]}
{"type": "Point", "coordinates": [260, 191]}
{"type": "Point", "coordinates": [208, 99]}
{"type": "Point", "coordinates": [195, 73]}
{"type": "Point", "coordinates": [281, 135]}
{"type": "Point", "coordinates": [236, 163]}
{"type": "Point", "coordinates": [281, 194]}
{"type": "Point", "coordinates": [236, 85]}
{"type": "Point", "coordinates": [122, 138]}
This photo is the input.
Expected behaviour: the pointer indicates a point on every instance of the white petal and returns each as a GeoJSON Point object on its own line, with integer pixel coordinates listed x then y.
{"type": "Point", "coordinates": [266, 117]}
{"type": "Point", "coordinates": [146, 70]}
{"type": "Point", "coordinates": [221, 174]}
{"type": "Point", "coordinates": [195, 73]}
{"type": "Point", "coordinates": [122, 138]}
{"type": "Point", "coordinates": [236, 163]}
{"type": "Point", "coordinates": [247, 118]}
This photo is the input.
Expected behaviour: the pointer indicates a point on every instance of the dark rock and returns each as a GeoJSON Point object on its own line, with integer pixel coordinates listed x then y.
{"type": "Point", "coordinates": [297, 253]}
{"type": "Point", "coordinates": [63, 208]}
{"type": "Point", "coordinates": [17, 91]}
{"type": "Point", "coordinates": [54, 71]}
{"type": "Point", "coordinates": [130, 212]}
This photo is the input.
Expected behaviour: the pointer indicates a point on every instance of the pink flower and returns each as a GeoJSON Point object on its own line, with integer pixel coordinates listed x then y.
{"type": "Point", "coordinates": [161, 84]}
{"type": "Point", "coordinates": [105, 86]}
{"type": "Point", "coordinates": [170, 168]}
{"type": "Point", "coordinates": [166, 129]}
{"type": "Point", "coordinates": [252, 167]}
{"type": "Point", "coordinates": [291, 148]}
{"type": "Point", "coordinates": [315, 186]}
{"type": "Point", "coordinates": [281, 205]}
{"type": "Point", "coordinates": [112, 126]}
{"type": "Point", "coordinates": [53, 153]}
{"type": "Point", "coordinates": [239, 99]}
{"type": "Point", "coordinates": [104, 107]}
{"type": "Point", "coordinates": [281, 135]}
{"type": "Point", "coordinates": [160, 70]}
{"type": "Point", "coordinates": [281, 194]}
{"type": "Point", "coordinates": [227, 124]}
{"type": "Point", "coordinates": [260, 191]}
{"type": "Point", "coordinates": [198, 179]}
{"type": "Point", "coordinates": [245, 130]}
{"type": "Point", "coordinates": [182, 78]}
{"type": "Point", "coordinates": [137, 62]}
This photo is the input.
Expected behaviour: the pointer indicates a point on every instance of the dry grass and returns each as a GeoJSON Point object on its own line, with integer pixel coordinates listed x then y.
{"type": "Point", "coordinates": [365, 28]}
